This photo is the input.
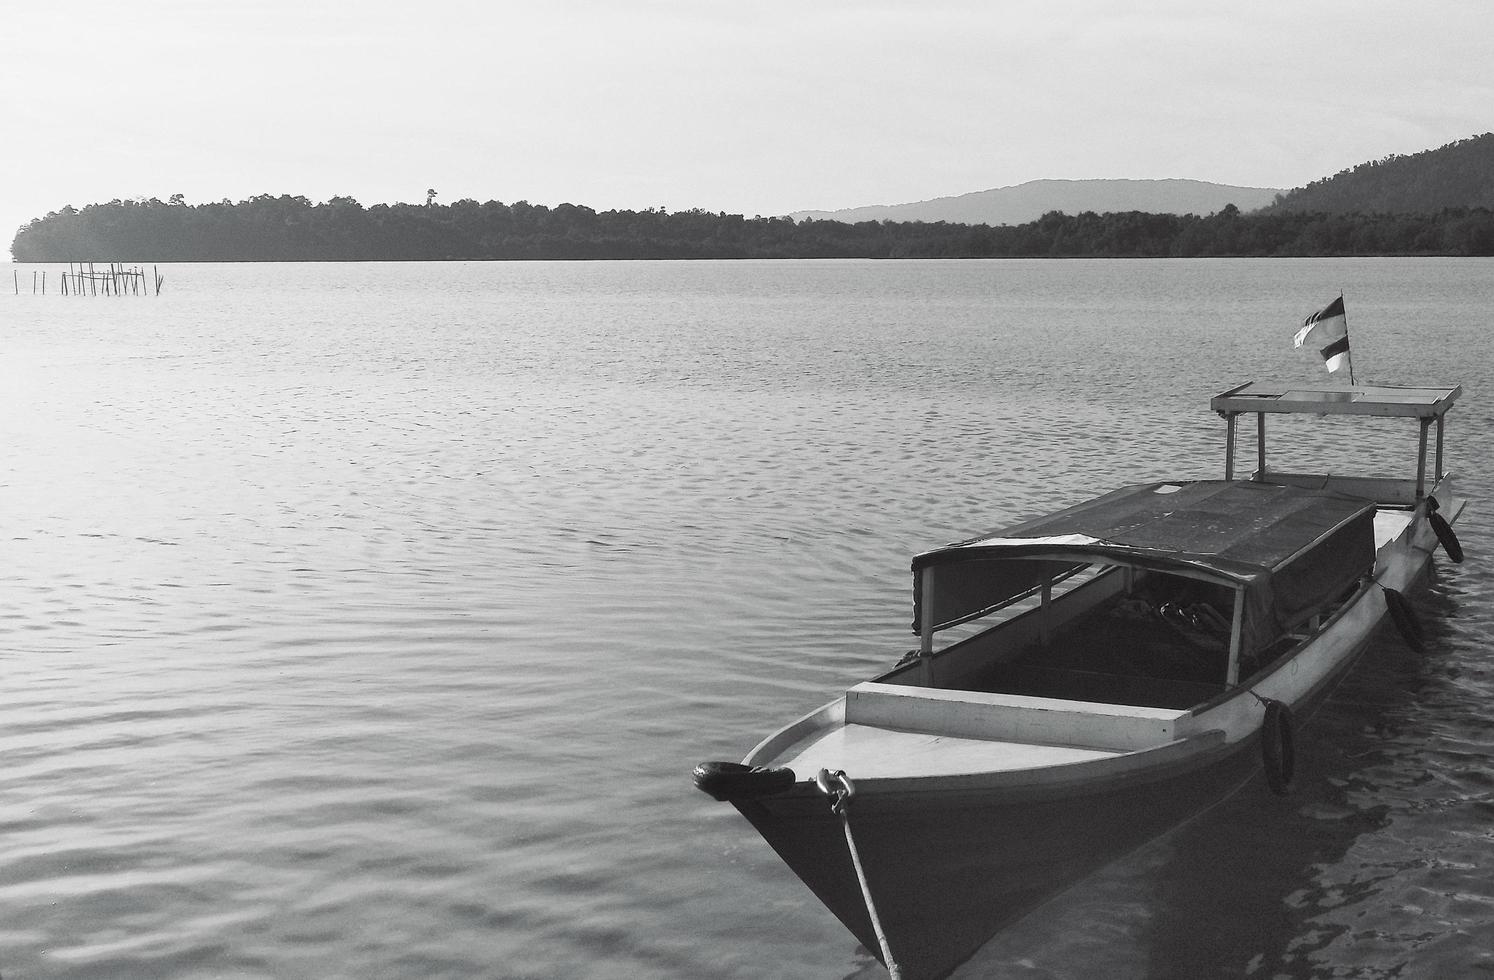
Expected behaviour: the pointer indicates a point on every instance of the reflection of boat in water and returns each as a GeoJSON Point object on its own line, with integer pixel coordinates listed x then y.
{"type": "Point", "coordinates": [1120, 666]}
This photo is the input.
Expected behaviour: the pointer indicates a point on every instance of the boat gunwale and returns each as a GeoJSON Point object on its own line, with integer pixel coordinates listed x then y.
{"type": "Point", "coordinates": [1195, 750]}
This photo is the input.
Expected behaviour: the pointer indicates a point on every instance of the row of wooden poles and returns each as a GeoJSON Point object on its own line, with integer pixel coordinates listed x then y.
{"type": "Point", "coordinates": [83, 279]}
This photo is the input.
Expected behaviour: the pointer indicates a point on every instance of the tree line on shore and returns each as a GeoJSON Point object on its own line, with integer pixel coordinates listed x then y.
{"type": "Point", "coordinates": [292, 228]}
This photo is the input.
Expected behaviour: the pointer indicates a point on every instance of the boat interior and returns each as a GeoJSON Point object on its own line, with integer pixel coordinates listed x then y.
{"type": "Point", "coordinates": [1159, 643]}
{"type": "Point", "coordinates": [1113, 636]}
{"type": "Point", "coordinates": [1118, 634]}
{"type": "Point", "coordinates": [1103, 661]}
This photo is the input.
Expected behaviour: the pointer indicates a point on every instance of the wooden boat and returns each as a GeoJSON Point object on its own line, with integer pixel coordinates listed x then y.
{"type": "Point", "coordinates": [1117, 668]}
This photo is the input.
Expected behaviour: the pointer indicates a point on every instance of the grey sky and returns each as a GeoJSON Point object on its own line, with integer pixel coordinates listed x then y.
{"type": "Point", "coordinates": [757, 107]}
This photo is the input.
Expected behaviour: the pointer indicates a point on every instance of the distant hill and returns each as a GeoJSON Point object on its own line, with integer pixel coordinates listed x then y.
{"type": "Point", "coordinates": [1458, 175]}
{"type": "Point", "coordinates": [1030, 201]}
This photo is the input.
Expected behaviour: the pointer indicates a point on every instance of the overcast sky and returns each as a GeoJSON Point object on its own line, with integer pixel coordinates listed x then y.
{"type": "Point", "coordinates": [749, 106]}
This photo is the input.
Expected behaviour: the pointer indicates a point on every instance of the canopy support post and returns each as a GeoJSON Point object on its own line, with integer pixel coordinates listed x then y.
{"type": "Point", "coordinates": [1229, 445]}
{"type": "Point", "coordinates": [926, 628]}
{"type": "Point", "coordinates": [1437, 475]}
{"type": "Point", "coordinates": [1260, 446]}
{"type": "Point", "coordinates": [1044, 627]}
{"type": "Point", "coordinates": [1236, 632]}
{"type": "Point", "coordinates": [1421, 459]}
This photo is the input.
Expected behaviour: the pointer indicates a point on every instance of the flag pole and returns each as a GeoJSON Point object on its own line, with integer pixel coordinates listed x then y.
{"type": "Point", "coordinates": [1348, 347]}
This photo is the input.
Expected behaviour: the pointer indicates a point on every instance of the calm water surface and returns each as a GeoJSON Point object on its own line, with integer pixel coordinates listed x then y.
{"type": "Point", "coordinates": [366, 620]}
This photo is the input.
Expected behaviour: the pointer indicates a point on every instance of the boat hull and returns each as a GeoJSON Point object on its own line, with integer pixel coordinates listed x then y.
{"type": "Point", "coordinates": [947, 869]}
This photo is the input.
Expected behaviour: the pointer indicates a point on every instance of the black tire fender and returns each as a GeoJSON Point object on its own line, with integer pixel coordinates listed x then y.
{"type": "Point", "coordinates": [1278, 747]}
{"type": "Point", "coordinates": [732, 780]}
{"type": "Point", "coordinates": [1445, 536]}
{"type": "Point", "coordinates": [1406, 621]}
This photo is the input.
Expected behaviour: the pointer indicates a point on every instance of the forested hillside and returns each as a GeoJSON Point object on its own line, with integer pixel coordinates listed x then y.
{"type": "Point", "coordinates": [1458, 175]}
{"type": "Point", "coordinates": [288, 228]}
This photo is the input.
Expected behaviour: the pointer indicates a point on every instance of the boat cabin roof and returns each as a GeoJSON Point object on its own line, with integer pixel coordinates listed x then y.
{"type": "Point", "coordinates": [1385, 400]}
{"type": "Point", "coordinates": [1290, 550]}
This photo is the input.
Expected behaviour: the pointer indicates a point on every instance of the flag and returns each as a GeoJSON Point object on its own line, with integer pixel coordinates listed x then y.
{"type": "Point", "coordinates": [1328, 331]}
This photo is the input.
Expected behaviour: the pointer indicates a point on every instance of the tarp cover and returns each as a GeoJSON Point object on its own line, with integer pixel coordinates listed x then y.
{"type": "Point", "coordinates": [1293, 550]}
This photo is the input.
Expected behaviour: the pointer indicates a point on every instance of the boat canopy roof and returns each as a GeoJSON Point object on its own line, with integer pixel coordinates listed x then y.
{"type": "Point", "coordinates": [1289, 550]}
{"type": "Point", "coordinates": [1389, 400]}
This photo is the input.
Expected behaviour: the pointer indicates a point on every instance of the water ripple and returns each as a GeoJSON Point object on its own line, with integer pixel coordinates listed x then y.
{"type": "Point", "coordinates": [366, 620]}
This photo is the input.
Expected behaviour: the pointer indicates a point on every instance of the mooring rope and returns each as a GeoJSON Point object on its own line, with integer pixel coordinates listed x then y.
{"type": "Point", "coordinates": [838, 786]}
